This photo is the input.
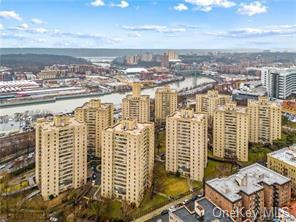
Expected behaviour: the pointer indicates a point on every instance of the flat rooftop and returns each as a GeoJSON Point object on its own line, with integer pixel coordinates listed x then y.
{"type": "Point", "coordinates": [49, 124]}
{"type": "Point", "coordinates": [132, 97]}
{"type": "Point", "coordinates": [286, 155]}
{"type": "Point", "coordinates": [134, 127]}
{"type": "Point", "coordinates": [95, 103]}
{"type": "Point", "coordinates": [188, 114]}
{"type": "Point", "coordinates": [247, 180]}
{"type": "Point", "coordinates": [238, 109]}
{"type": "Point", "coordinates": [263, 102]}
{"type": "Point", "coordinates": [166, 90]}
{"type": "Point", "coordinates": [211, 212]}
{"type": "Point", "coordinates": [284, 71]}
{"type": "Point", "coordinates": [184, 213]}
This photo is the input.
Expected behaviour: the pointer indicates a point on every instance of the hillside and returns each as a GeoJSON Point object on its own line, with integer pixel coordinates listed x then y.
{"type": "Point", "coordinates": [35, 62]}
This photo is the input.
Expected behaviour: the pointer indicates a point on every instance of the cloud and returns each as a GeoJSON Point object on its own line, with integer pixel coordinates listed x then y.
{"type": "Point", "coordinates": [181, 7]}
{"type": "Point", "coordinates": [10, 15]}
{"type": "Point", "coordinates": [24, 26]}
{"type": "Point", "coordinates": [1, 27]}
{"type": "Point", "coordinates": [98, 3]}
{"type": "Point", "coordinates": [134, 35]}
{"type": "Point", "coordinates": [207, 5]}
{"type": "Point", "coordinates": [92, 36]}
{"type": "Point", "coordinates": [25, 29]}
{"type": "Point", "coordinates": [12, 36]}
{"type": "Point", "coordinates": [188, 26]}
{"type": "Point", "coordinates": [21, 27]}
{"type": "Point", "coordinates": [122, 4]}
{"type": "Point", "coordinates": [279, 30]}
{"type": "Point", "coordinates": [37, 21]}
{"type": "Point", "coordinates": [37, 35]}
{"type": "Point", "coordinates": [252, 8]}
{"type": "Point", "coordinates": [154, 28]}
{"type": "Point", "coordinates": [40, 30]}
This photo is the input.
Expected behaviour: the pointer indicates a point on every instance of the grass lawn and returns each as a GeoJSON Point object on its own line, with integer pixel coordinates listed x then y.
{"type": "Point", "coordinates": [217, 169]}
{"type": "Point", "coordinates": [168, 184]}
{"type": "Point", "coordinates": [148, 203]}
{"type": "Point", "coordinates": [174, 186]}
{"type": "Point", "coordinates": [113, 209]}
{"type": "Point", "coordinates": [196, 184]}
{"type": "Point", "coordinates": [257, 154]}
{"type": "Point", "coordinates": [107, 210]}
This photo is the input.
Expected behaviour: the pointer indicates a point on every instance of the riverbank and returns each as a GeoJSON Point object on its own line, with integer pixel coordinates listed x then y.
{"type": "Point", "coordinates": [74, 96]}
{"type": "Point", "coordinates": [69, 104]}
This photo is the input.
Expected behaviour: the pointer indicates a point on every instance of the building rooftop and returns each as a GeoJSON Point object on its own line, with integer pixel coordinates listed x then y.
{"type": "Point", "coordinates": [166, 89]}
{"type": "Point", "coordinates": [287, 155]}
{"type": "Point", "coordinates": [95, 103]}
{"type": "Point", "coordinates": [188, 114]}
{"type": "Point", "coordinates": [132, 97]}
{"type": "Point", "coordinates": [130, 127]}
{"type": "Point", "coordinates": [57, 122]}
{"type": "Point", "coordinates": [135, 70]}
{"type": "Point", "coordinates": [187, 213]}
{"type": "Point", "coordinates": [263, 101]}
{"type": "Point", "coordinates": [231, 106]}
{"type": "Point", "coordinates": [283, 71]}
{"type": "Point", "coordinates": [213, 93]}
{"type": "Point", "coordinates": [247, 180]}
{"type": "Point", "coordinates": [184, 214]}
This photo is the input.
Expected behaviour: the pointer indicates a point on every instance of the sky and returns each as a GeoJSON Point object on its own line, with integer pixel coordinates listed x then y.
{"type": "Point", "coordinates": [170, 24]}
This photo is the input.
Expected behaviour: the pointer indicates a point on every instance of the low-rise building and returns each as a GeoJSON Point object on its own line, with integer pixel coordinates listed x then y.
{"type": "Point", "coordinates": [250, 193]}
{"type": "Point", "coordinates": [50, 74]}
{"type": "Point", "coordinates": [283, 161]}
{"type": "Point", "coordinates": [198, 211]}
{"type": "Point", "coordinates": [15, 144]}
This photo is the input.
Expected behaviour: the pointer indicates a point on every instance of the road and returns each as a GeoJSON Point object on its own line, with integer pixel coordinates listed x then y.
{"type": "Point", "coordinates": [159, 210]}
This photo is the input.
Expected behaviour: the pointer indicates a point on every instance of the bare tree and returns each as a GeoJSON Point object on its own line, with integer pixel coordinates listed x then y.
{"type": "Point", "coordinates": [126, 209]}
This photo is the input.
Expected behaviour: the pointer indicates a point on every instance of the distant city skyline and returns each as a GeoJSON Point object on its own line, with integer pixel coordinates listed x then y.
{"type": "Point", "coordinates": [176, 24]}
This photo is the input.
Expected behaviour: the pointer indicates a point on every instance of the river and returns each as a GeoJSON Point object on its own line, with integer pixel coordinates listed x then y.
{"type": "Point", "coordinates": [68, 105]}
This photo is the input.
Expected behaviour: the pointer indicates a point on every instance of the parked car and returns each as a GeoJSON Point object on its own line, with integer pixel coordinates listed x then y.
{"type": "Point", "coordinates": [185, 201]}
{"type": "Point", "coordinates": [172, 208]}
{"type": "Point", "coordinates": [194, 197]}
{"type": "Point", "coordinates": [164, 212]}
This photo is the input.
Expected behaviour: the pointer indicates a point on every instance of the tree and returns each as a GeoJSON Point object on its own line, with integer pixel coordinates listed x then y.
{"type": "Point", "coordinates": [4, 184]}
{"type": "Point", "coordinates": [158, 179]}
{"type": "Point", "coordinates": [126, 209]}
